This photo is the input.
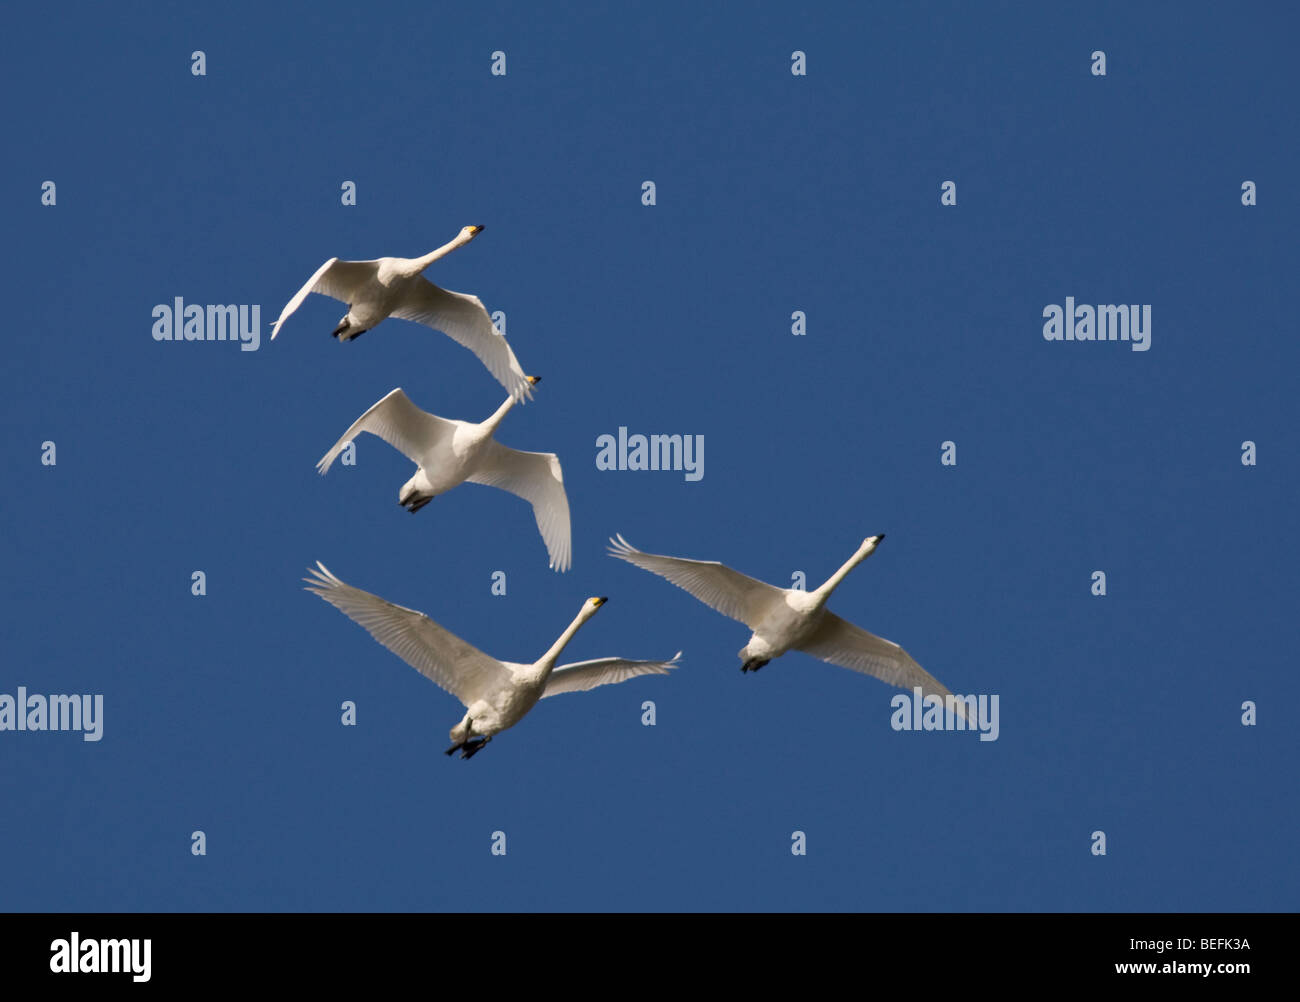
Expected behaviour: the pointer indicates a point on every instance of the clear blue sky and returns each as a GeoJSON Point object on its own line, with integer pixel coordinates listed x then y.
{"type": "Point", "coordinates": [775, 193]}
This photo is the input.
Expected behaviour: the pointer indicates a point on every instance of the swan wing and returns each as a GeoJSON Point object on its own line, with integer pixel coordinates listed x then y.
{"type": "Point", "coordinates": [337, 279]}
{"type": "Point", "coordinates": [841, 643]}
{"type": "Point", "coordinates": [584, 675]}
{"type": "Point", "coordinates": [465, 320]}
{"type": "Point", "coordinates": [401, 424]}
{"type": "Point", "coordinates": [460, 668]}
{"type": "Point", "coordinates": [536, 477]}
{"type": "Point", "coordinates": [731, 593]}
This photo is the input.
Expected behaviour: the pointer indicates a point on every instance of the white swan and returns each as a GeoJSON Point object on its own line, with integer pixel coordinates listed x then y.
{"type": "Point", "coordinates": [394, 287]}
{"type": "Point", "coordinates": [448, 453]}
{"type": "Point", "coordinates": [496, 694]}
{"type": "Point", "coordinates": [785, 619]}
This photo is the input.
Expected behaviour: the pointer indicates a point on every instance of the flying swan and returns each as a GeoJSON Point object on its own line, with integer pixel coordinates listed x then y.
{"type": "Point", "coordinates": [496, 694]}
{"type": "Point", "coordinates": [786, 619]}
{"type": "Point", "coordinates": [394, 287]}
{"type": "Point", "coordinates": [448, 453]}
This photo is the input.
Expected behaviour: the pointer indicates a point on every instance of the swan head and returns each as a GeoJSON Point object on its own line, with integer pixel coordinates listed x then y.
{"type": "Point", "coordinates": [468, 233]}
{"type": "Point", "coordinates": [590, 606]}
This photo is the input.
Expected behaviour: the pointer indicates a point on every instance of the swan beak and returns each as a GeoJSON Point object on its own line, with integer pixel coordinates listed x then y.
{"type": "Point", "coordinates": [598, 602]}
{"type": "Point", "coordinates": [476, 230]}
{"type": "Point", "coordinates": [534, 379]}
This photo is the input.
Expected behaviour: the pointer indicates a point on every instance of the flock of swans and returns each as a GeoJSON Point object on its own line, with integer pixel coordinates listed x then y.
{"type": "Point", "coordinates": [498, 694]}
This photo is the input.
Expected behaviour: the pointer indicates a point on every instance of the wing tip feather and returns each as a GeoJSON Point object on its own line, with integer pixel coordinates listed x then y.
{"type": "Point", "coordinates": [323, 580]}
{"type": "Point", "coordinates": [620, 547]}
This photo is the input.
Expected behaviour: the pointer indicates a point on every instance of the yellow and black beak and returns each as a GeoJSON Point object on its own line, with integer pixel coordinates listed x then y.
{"type": "Point", "coordinates": [598, 602]}
{"type": "Point", "coordinates": [534, 379]}
{"type": "Point", "coordinates": [476, 230]}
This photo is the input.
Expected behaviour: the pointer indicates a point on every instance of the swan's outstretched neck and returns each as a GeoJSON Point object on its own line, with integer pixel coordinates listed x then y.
{"type": "Point", "coordinates": [548, 659]}
{"type": "Point", "coordinates": [499, 415]}
{"type": "Point", "coordinates": [491, 423]}
{"type": "Point", "coordinates": [462, 238]}
{"type": "Point", "coordinates": [867, 548]}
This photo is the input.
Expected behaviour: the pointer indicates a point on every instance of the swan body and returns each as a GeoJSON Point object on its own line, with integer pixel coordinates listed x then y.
{"type": "Point", "coordinates": [496, 694]}
{"type": "Point", "coordinates": [394, 287]}
{"type": "Point", "coordinates": [448, 453]}
{"type": "Point", "coordinates": [788, 619]}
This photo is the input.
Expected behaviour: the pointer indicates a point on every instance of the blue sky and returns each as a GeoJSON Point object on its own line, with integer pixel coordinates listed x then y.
{"type": "Point", "coordinates": [775, 193]}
